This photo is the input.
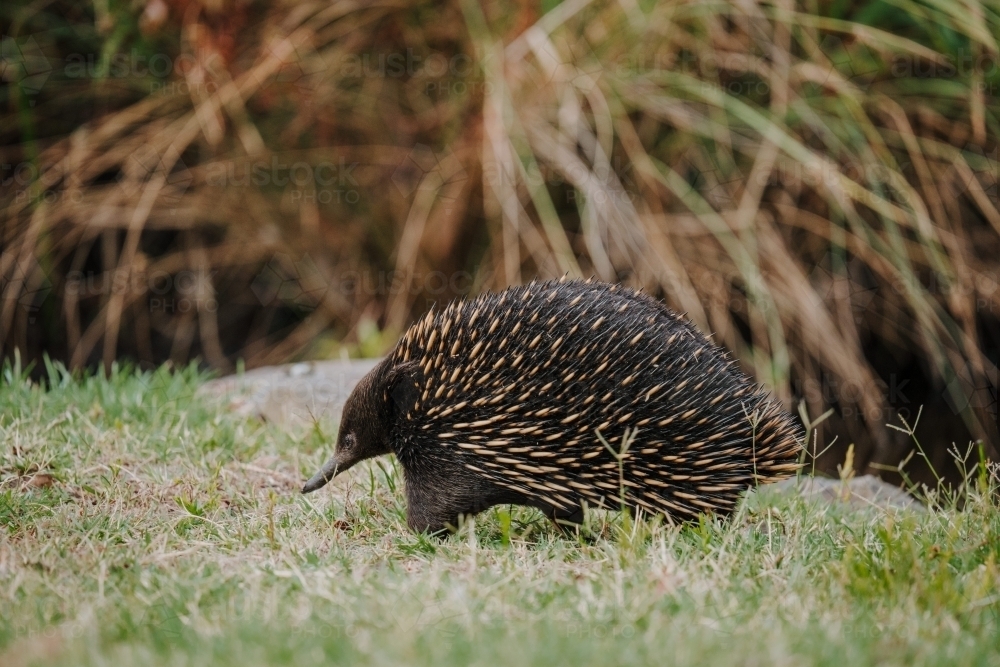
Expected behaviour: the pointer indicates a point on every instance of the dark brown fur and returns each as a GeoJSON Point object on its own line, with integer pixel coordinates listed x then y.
{"type": "Point", "coordinates": [498, 400]}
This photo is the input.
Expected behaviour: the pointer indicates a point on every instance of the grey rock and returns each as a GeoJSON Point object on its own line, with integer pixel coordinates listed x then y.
{"type": "Point", "coordinates": [293, 395]}
{"type": "Point", "coordinates": [866, 491]}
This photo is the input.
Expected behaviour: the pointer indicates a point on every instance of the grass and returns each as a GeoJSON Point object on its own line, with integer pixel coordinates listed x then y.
{"type": "Point", "coordinates": [139, 525]}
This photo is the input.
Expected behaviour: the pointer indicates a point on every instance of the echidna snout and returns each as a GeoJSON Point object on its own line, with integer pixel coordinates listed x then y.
{"type": "Point", "coordinates": [363, 432]}
{"type": "Point", "coordinates": [500, 399]}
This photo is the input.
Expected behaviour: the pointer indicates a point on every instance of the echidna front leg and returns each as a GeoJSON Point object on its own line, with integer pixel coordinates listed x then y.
{"type": "Point", "coordinates": [436, 499]}
{"type": "Point", "coordinates": [434, 506]}
{"type": "Point", "coordinates": [424, 515]}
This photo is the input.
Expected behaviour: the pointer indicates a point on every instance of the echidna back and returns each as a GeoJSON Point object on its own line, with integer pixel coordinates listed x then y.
{"type": "Point", "coordinates": [519, 389]}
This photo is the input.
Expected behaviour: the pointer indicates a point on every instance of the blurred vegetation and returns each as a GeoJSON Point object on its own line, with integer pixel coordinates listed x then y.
{"type": "Point", "coordinates": [813, 182]}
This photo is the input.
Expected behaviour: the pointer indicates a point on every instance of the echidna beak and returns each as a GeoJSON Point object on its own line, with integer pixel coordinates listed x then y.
{"type": "Point", "coordinates": [320, 479]}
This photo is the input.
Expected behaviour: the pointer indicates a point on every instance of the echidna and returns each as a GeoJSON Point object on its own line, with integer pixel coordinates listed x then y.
{"type": "Point", "coordinates": [520, 397]}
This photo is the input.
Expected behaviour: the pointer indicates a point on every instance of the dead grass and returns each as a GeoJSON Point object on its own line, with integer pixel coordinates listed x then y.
{"type": "Point", "coordinates": [815, 185]}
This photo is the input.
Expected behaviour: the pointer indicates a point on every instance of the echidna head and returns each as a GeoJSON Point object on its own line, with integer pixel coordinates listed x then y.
{"type": "Point", "coordinates": [365, 423]}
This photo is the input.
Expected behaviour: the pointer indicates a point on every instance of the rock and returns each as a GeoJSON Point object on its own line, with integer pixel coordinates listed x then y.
{"type": "Point", "coordinates": [293, 395]}
{"type": "Point", "coordinates": [866, 491]}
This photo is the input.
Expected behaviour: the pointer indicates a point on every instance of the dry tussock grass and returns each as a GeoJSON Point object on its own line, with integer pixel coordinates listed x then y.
{"type": "Point", "coordinates": [818, 192]}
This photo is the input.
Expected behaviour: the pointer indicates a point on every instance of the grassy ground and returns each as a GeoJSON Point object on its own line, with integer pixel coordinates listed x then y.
{"type": "Point", "coordinates": [138, 525]}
